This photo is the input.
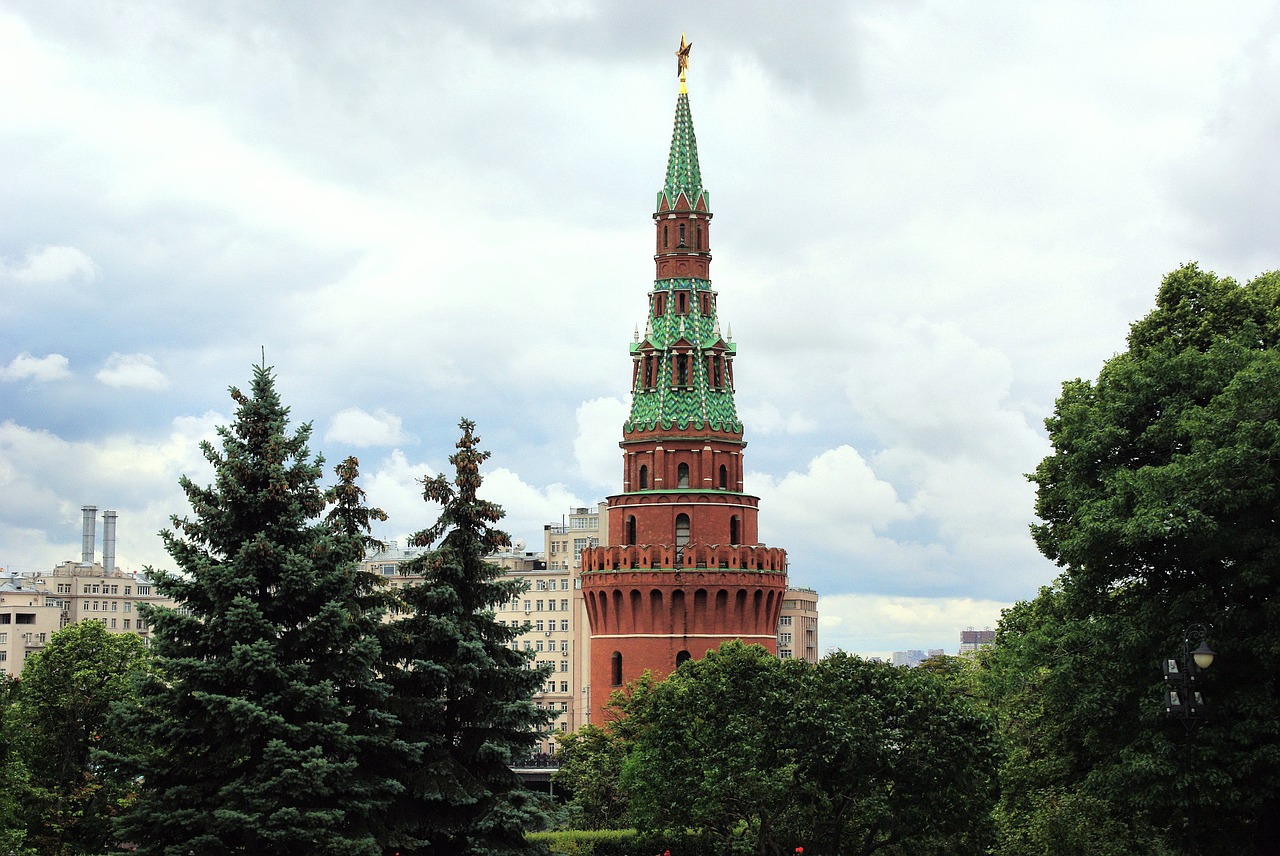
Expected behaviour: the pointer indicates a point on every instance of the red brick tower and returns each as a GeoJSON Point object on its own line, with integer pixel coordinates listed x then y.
{"type": "Point", "coordinates": [688, 571]}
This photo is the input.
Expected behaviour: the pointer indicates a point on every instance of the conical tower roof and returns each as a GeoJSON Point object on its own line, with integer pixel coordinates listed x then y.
{"type": "Point", "coordinates": [684, 176]}
{"type": "Point", "coordinates": [685, 373]}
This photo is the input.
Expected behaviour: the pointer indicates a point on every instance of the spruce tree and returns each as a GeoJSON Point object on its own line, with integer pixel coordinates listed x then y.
{"type": "Point", "coordinates": [267, 693]}
{"type": "Point", "coordinates": [462, 693]}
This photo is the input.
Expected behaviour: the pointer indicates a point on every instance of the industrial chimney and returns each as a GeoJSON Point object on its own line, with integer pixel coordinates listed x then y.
{"type": "Point", "coordinates": [88, 536]}
{"type": "Point", "coordinates": [108, 542]}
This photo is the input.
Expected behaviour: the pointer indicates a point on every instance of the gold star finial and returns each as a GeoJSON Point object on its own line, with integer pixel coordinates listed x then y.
{"type": "Point", "coordinates": [682, 59]}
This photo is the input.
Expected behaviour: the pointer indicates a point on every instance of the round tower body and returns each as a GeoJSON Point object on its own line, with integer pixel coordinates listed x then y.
{"type": "Point", "coordinates": [685, 570]}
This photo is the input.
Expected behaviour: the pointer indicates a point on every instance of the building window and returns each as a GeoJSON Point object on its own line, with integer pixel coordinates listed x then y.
{"type": "Point", "coordinates": [126, 624]}
{"type": "Point", "coordinates": [697, 234]}
{"type": "Point", "coordinates": [564, 686]}
{"type": "Point", "coordinates": [4, 638]}
{"type": "Point", "coordinates": [735, 533]}
{"type": "Point", "coordinates": [631, 530]}
{"type": "Point", "coordinates": [539, 646]}
{"type": "Point", "coordinates": [682, 535]}
{"type": "Point", "coordinates": [551, 605]}
{"type": "Point", "coordinates": [682, 475]}
{"type": "Point", "coordinates": [666, 236]}
{"type": "Point", "coordinates": [144, 590]}
{"type": "Point", "coordinates": [681, 657]}
{"type": "Point", "coordinates": [681, 240]}
{"type": "Point", "coordinates": [644, 477]}
{"type": "Point", "coordinates": [616, 669]}
{"type": "Point", "coordinates": [724, 477]}
{"type": "Point", "coordinates": [564, 586]}
{"type": "Point", "coordinates": [784, 653]}
{"type": "Point", "coordinates": [564, 624]}
{"type": "Point", "coordinates": [784, 621]}
{"type": "Point", "coordinates": [564, 646]}
{"type": "Point", "coordinates": [526, 606]}
{"type": "Point", "coordinates": [564, 604]}
{"type": "Point", "coordinates": [564, 665]}
{"type": "Point", "coordinates": [784, 638]}
{"type": "Point", "coordinates": [540, 585]}
{"type": "Point", "coordinates": [537, 625]}
{"type": "Point", "coordinates": [538, 606]}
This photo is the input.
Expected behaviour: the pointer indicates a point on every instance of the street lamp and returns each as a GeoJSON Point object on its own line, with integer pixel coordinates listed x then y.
{"type": "Point", "coordinates": [1183, 701]}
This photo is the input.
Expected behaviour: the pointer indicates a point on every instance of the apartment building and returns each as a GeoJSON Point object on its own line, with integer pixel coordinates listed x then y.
{"type": "Point", "coordinates": [34, 606]}
{"type": "Point", "coordinates": [798, 625]}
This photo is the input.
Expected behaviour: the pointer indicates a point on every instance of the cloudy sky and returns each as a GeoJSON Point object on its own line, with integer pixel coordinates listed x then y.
{"type": "Point", "coordinates": [929, 215]}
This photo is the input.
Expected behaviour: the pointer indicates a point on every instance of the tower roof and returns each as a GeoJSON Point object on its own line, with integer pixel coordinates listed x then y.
{"type": "Point", "coordinates": [684, 176]}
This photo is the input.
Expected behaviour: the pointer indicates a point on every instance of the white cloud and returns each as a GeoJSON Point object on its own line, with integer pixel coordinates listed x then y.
{"type": "Point", "coordinates": [135, 371]}
{"type": "Point", "coordinates": [766, 418]}
{"type": "Point", "coordinates": [40, 369]}
{"type": "Point", "coordinates": [878, 625]}
{"type": "Point", "coordinates": [595, 446]}
{"type": "Point", "coordinates": [49, 265]}
{"type": "Point", "coordinates": [359, 428]}
{"type": "Point", "coordinates": [45, 479]}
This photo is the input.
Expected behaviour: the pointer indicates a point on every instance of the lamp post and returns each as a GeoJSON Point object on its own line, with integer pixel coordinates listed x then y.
{"type": "Point", "coordinates": [1184, 702]}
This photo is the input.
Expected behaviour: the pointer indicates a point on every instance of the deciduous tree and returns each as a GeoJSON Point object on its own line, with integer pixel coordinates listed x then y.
{"type": "Point", "coordinates": [1160, 501]}
{"type": "Point", "coordinates": [66, 797]}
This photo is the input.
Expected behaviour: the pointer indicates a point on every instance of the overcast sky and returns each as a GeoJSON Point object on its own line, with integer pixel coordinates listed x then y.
{"type": "Point", "coordinates": [928, 215]}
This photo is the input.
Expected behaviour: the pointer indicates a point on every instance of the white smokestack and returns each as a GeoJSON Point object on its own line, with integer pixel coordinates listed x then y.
{"type": "Point", "coordinates": [88, 536]}
{"type": "Point", "coordinates": [108, 541]}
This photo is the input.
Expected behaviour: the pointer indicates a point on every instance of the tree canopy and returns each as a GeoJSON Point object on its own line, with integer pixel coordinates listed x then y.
{"type": "Point", "coordinates": [64, 797]}
{"type": "Point", "coordinates": [1160, 502]}
{"type": "Point", "coordinates": [764, 755]}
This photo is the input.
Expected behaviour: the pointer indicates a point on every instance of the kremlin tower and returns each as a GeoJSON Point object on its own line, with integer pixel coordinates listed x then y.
{"type": "Point", "coordinates": [685, 570]}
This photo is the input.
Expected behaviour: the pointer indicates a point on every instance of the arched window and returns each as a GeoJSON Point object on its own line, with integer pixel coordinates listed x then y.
{"type": "Point", "coordinates": [682, 533]}
{"type": "Point", "coordinates": [644, 477]}
{"type": "Point", "coordinates": [682, 303]}
{"type": "Point", "coordinates": [681, 657]}
{"type": "Point", "coordinates": [617, 668]}
{"type": "Point", "coordinates": [682, 369]}
{"type": "Point", "coordinates": [698, 237]}
{"type": "Point", "coordinates": [681, 242]}
{"type": "Point", "coordinates": [724, 477]}
{"type": "Point", "coordinates": [666, 236]}
{"type": "Point", "coordinates": [631, 530]}
{"type": "Point", "coordinates": [735, 530]}
{"type": "Point", "coordinates": [682, 475]}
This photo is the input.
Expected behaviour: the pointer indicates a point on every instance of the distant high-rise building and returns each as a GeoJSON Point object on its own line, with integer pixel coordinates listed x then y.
{"type": "Point", "coordinates": [972, 641]}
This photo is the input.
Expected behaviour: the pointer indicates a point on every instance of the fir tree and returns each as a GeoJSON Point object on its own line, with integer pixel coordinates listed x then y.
{"type": "Point", "coordinates": [267, 695]}
{"type": "Point", "coordinates": [463, 696]}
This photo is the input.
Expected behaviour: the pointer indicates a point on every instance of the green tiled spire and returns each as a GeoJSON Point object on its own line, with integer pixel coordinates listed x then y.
{"type": "Point", "coordinates": [683, 173]}
{"type": "Point", "coordinates": [701, 403]}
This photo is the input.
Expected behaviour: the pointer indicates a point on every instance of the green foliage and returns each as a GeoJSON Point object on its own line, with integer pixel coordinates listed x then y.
{"type": "Point", "coordinates": [462, 695]}
{"type": "Point", "coordinates": [1160, 502]}
{"type": "Point", "coordinates": [252, 735]}
{"type": "Point", "coordinates": [763, 755]}
{"type": "Point", "coordinates": [590, 766]}
{"type": "Point", "coordinates": [626, 842]}
{"type": "Point", "coordinates": [59, 797]}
